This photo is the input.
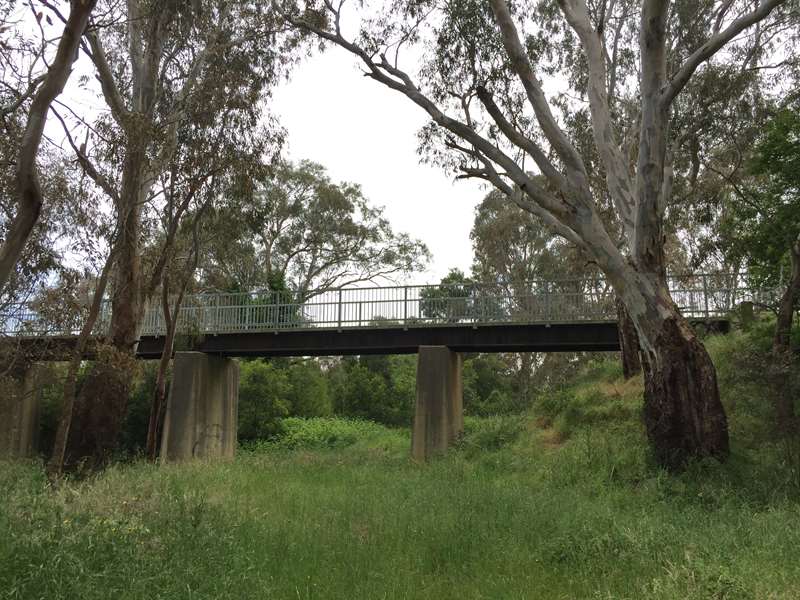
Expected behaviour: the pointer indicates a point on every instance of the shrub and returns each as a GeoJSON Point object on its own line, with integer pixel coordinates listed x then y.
{"type": "Point", "coordinates": [308, 389]}
{"type": "Point", "coordinates": [490, 433]}
{"type": "Point", "coordinates": [263, 399]}
{"type": "Point", "coordinates": [323, 433]}
{"type": "Point", "coordinates": [364, 388]}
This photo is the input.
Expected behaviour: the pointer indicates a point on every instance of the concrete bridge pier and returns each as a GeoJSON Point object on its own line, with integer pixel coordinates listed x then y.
{"type": "Point", "coordinates": [20, 398]}
{"type": "Point", "coordinates": [439, 415]}
{"type": "Point", "coordinates": [202, 408]}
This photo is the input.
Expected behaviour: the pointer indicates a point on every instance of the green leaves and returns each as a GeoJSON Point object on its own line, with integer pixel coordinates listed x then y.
{"type": "Point", "coordinates": [311, 231]}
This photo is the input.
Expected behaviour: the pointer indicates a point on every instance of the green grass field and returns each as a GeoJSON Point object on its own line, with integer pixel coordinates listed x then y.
{"type": "Point", "coordinates": [560, 503]}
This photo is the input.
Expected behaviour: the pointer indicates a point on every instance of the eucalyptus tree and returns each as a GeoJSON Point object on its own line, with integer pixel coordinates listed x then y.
{"type": "Point", "coordinates": [167, 71]}
{"type": "Point", "coordinates": [32, 80]}
{"type": "Point", "coordinates": [481, 84]}
{"type": "Point", "coordinates": [514, 251]}
{"type": "Point", "coordinates": [217, 155]}
{"type": "Point", "coordinates": [307, 232]}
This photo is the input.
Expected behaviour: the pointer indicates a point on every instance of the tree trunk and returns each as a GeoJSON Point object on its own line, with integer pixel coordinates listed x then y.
{"type": "Point", "coordinates": [628, 342]}
{"type": "Point", "coordinates": [171, 321]}
{"type": "Point", "coordinates": [160, 393]}
{"type": "Point", "coordinates": [783, 326]}
{"type": "Point", "coordinates": [159, 399]}
{"type": "Point", "coordinates": [103, 399]}
{"type": "Point", "coordinates": [683, 414]}
{"type": "Point", "coordinates": [781, 345]}
{"type": "Point", "coordinates": [56, 464]}
{"type": "Point", "coordinates": [28, 187]}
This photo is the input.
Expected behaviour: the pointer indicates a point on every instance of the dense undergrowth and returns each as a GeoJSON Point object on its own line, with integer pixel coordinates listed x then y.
{"type": "Point", "coordinates": [562, 502]}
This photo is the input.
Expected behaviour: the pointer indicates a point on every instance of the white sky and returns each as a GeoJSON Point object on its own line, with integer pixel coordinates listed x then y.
{"type": "Point", "coordinates": [365, 133]}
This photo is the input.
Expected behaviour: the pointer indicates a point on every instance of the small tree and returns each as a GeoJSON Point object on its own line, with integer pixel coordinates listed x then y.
{"type": "Point", "coordinates": [771, 221]}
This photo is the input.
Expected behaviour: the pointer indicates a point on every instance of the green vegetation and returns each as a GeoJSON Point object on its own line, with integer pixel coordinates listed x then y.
{"type": "Point", "coordinates": [562, 502]}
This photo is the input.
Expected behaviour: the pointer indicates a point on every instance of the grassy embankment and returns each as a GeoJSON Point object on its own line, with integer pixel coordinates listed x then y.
{"type": "Point", "coordinates": [561, 503]}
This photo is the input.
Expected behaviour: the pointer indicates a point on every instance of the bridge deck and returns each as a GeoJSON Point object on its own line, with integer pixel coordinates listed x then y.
{"type": "Point", "coordinates": [533, 337]}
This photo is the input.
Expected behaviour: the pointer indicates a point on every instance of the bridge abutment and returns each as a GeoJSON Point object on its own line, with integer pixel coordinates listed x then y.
{"type": "Point", "coordinates": [439, 414]}
{"type": "Point", "coordinates": [202, 408]}
{"type": "Point", "coordinates": [19, 413]}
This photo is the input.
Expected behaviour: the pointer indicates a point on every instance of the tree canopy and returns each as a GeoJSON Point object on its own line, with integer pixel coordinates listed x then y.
{"type": "Point", "coordinates": [303, 229]}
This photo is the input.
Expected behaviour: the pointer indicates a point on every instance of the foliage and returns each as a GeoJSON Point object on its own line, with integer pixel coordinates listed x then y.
{"type": "Point", "coordinates": [365, 388]}
{"type": "Point", "coordinates": [488, 386]}
{"type": "Point", "coordinates": [134, 429]}
{"type": "Point", "coordinates": [321, 433]}
{"type": "Point", "coordinates": [763, 221]}
{"type": "Point", "coordinates": [450, 301]}
{"type": "Point", "coordinates": [308, 231]}
{"type": "Point", "coordinates": [513, 248]}
{"type": "Point", "coordinates": [308, 393]}
{"type": "Point", "coordinates": [489, 433]}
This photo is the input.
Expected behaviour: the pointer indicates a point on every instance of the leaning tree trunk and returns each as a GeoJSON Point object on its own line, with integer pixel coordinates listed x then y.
{"type": "Point", "coordinates": [160, 393]}
{"type": "Point", "coordinates": [628, 342]}
{"type": "Point", "coordinates": [55, 465]}
{"type": "Point", "coordinates": [683, 414]}
{"type": "Point", "coordinates": [28, 187]}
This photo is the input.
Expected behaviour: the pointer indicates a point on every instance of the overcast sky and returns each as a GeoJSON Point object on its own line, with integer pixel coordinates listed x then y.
{"type": "Point", "coordinates": [364, 133]}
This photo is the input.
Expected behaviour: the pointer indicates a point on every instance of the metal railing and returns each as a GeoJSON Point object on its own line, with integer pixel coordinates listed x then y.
{"type": "Point", "coordinates": [543, 301]}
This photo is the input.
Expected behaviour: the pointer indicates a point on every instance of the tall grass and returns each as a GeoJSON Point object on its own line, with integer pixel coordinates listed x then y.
{"type": "Point", "coordinates": [561, 503]}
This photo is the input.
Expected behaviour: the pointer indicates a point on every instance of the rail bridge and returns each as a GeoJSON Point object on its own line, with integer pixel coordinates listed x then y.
{"type": "Point", "coordinates": [438, 322]}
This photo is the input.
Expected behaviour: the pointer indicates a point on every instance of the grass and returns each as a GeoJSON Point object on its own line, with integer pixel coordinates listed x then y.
{"type": "Point", "coordinates": [560, 503]}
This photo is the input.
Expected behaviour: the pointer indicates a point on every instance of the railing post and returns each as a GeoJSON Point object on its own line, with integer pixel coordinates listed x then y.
{"type": "Point", "coordinates": [405, 305]}
{"type": "Point", "coordinates": [340, 308]}
{"type": "Point", "coordinates": [546, 300]}
{"type": "Point", "coordinates": [705, 293]}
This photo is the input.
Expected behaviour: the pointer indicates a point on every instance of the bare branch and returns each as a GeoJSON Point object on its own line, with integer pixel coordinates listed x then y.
{"type": "Point", "coordinates": [33, 85]}
{"type": "Point", "coordinates": [86, 163]}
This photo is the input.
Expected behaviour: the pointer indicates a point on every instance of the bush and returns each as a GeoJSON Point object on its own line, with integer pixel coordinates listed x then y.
{"type": "Point", "coordinates": [488, 388]}
{"type": "Point", "coordinates": [364, 388]}
{"type": "Point", "coordinates": [490, 433]}
{"type": "Point", "coordinates": [137, 419]}
{"type": "Point", "coordinates": [263, 399]}
{"type": "Point", "coordinates": [322, 433]}
{"type": "Point", "coordinates": [308, 389]}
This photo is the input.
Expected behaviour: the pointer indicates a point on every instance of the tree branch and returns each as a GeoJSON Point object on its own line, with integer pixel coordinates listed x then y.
{"type": "Point", "coordinates": [107, 84]}
{"type": "Point", "coordinates": [618, 177]}
{"type": "Point", "coordinates": [533, 89]}
{"type": "Point", "coordinates": [86, 164]}
{"type": "Point", "coordinates": [27, 177]}
{"type": "Point", "coordinates": [712, 46]}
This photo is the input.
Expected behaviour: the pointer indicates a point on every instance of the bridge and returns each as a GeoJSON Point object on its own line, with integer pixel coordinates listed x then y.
{"type": "Point", "coordinates": [537, 316]}
{"type": "Point", "coordinates": [439, 322]}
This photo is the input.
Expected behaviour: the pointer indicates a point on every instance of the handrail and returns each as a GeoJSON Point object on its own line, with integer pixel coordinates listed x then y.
{"type": "Point", "coordinates": [701, 295]}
